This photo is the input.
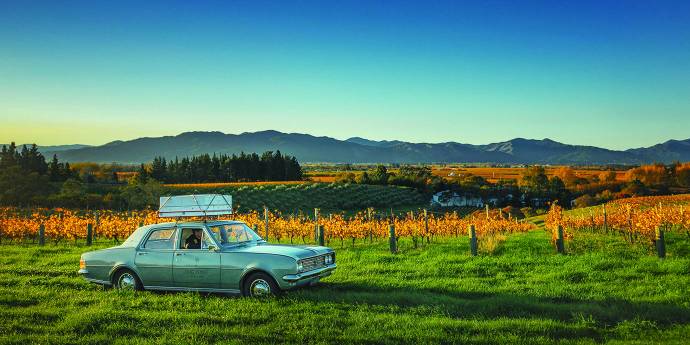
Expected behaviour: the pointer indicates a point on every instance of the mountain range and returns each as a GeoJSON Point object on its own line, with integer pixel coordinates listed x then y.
{"type": "Point", "coordinates": [309, 148]}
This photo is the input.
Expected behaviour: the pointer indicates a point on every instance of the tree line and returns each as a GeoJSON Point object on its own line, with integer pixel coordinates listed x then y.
{"type": "Point", "coordinates": [269, 166]}
{"type": "Point", "coordinates": [26, 177]}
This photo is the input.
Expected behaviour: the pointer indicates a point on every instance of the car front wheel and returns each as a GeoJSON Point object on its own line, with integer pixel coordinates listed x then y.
{"type": "Point", "coordinates": [126, 280]}
{"type": "Point", "coordinates": [259, 285]}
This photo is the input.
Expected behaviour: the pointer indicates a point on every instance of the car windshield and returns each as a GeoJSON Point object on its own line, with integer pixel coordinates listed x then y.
{"type": "Point", "coordinates": [229, 234]}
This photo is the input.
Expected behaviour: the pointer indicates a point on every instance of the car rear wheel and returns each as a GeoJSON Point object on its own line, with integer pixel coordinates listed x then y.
{"type": "Point", "coordinates": [260, 285]}
{"type": "Point", "coordinates": [126, 279]}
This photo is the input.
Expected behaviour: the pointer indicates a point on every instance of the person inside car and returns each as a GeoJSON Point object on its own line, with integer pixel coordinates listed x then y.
{"type": "Point", "coordinates": [194, 240]}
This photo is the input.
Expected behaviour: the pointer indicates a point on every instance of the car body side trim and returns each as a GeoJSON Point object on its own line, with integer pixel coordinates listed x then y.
{"type": "Point", "coordinates": [97, 281]}
{"type": "Point", "coordinates": [173, 288]}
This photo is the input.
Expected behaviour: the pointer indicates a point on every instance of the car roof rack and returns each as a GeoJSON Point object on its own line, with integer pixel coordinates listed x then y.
{"type": "Point", "coordinates": [196, 205]}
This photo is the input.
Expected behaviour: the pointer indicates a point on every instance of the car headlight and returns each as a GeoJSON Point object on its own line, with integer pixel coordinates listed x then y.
{"type": "Point", "coordinates": [328, 259]}
{"type": "Point", "coordinates": [300, 267]}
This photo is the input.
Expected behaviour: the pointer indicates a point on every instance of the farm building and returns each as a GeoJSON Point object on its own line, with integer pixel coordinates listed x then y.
{"type": "Point", "coordinates": [451, 199]}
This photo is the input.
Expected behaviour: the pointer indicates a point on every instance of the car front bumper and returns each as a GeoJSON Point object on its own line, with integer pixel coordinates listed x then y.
{"type": "Point", "coordinates": [307, 278]}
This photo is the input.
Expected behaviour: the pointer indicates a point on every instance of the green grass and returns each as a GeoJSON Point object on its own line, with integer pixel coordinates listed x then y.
{"type": "Point", "coordinates": [520, 293]}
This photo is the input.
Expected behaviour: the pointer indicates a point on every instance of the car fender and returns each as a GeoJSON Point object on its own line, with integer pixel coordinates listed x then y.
{"type": "Point", "coordinates": [121, 265]}
{"type": "Point", "coordinates": [273, 265]}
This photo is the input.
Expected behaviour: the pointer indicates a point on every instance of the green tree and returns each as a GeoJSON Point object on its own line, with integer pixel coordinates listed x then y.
{"type": "Point", "coordinates": [380, 175]}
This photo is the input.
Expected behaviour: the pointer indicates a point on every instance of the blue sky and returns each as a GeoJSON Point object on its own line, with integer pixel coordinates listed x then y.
{"type": "Point", "coordinates": [614, 74]}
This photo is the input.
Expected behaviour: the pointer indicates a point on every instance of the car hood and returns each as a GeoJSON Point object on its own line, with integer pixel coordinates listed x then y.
{"type": "Point", "coordinates": [296, 252]}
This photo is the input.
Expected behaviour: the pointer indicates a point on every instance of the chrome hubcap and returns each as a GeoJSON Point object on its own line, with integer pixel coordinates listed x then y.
{"type": "Point", "coordinates": [260, 288]}
{"type": "Point", "coordinates": [126, 282]}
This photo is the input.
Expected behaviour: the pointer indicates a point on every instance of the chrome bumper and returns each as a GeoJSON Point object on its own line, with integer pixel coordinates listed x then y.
{"type": "Point", "coordinates": [323, 271]}
{"type": "Point", "coordinates": [83, 271]}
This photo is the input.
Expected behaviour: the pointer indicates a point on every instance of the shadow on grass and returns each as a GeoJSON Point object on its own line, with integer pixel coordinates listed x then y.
{"type": "Point", "coordinates": [605, 313]}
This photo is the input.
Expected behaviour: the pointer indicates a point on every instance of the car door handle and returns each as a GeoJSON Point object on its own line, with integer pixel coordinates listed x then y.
{"type": "Point", "coordinates": [141, 253]}
{"type": "Point", "coordinates": [178, 254]}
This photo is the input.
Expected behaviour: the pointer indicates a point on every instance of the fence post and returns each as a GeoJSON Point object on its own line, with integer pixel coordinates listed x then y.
{"type": "Point", "coordinates": [560, 245]}
{"type": "Point", "coordinates": [321, 237]}
{"type": "Point", "coordinates": [660, 243]}
{"type": "Point", "coordinates": [426, 226]}
{"type": "Point", "coordinates": [393, 240]}
{"type": "Point", "coordinates": [487, 211]}
{"type": "Point", "coordinates": [41, 235]}
{"type": "Point", "coordinates": [89, 234]}
{"type": "Point", "coordinates": [266, 221]}
{"type": "Point", "coordinates": [473, 240]}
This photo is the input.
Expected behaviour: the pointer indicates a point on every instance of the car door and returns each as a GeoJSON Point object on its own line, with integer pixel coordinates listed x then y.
{"type": "Point", "coordinates": [154, 257]}
{"type": "Point", "coordinates": [195, 268]}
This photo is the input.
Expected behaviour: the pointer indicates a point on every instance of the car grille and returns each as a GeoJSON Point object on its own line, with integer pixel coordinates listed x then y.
{"type": "Point", "coordinates": [313, 263]}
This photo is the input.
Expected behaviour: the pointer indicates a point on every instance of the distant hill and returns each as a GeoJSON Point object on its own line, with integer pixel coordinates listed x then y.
{"type": "Point", "coordinates": [49, 150]}
{"type": "Point", "coordinates": [670, 151]}
{"type": "Point", "coordinates": [309, 148]}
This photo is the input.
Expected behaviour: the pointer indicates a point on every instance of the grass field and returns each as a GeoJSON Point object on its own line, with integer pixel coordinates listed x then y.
{"type": "Point", "coordinates": [604, 291]}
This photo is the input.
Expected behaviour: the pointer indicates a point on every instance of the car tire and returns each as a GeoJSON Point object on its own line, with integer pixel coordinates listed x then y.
{"type": "Point", "coordinates": [260, 285]}
{"type": "Point", "coordinates": [126, 279]}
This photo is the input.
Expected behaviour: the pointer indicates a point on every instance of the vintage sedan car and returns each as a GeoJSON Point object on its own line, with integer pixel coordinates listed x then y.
{"type": "Point", "coordinates": [213, 256]}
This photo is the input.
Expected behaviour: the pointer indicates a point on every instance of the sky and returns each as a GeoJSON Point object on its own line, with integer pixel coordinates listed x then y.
{"type": "Point", "coordinates": [613, 74]}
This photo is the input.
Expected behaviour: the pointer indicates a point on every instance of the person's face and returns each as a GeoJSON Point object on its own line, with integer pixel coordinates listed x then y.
{"type": "Point", "coordinates": [197, 233]}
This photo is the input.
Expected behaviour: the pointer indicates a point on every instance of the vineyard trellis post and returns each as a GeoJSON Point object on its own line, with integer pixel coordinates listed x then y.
{"type": "Point", "coordinates": [316, 224]}
{"type": "Point", "coordinates": [392, 239]}
{"type": "Point", "coordinates": [41, 235]}
{"type": "Point", "coordinates": [89, 234]}
{"type": "Point", "coordinates": [560, 244]}
{"type": "Point", "coordinates": [660, 243]}
{"type": "Point", "coordinates": [96, 219]}
{"type": "Point", "coordinates": [321, 236]}
{"type": "Point", "coordinates": [606, 228]}
{"type": "Point", "coordinates": [266, 221]}
{"type": "Point", "coordinates": [426, 226]}
{"type": "Point", "coordinates": [371, 231]}
{"type": "Point", "coordinates": [473, 239]}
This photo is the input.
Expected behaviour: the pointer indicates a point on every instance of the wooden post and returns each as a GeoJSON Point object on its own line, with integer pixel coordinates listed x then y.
{"type": "Point", "coordinates": [266, 221]}
{"type": "Point", "coordinates": [89, 234]}
{"type": "Point", "coordinates": [41, 235]}
{"type": "Point", "coordinates": [660, 244]}
{"type": "Point", "coordinates": [96, 219]}
{"type": "Point", "coordinates": [560, 245]}
{"type": "Point", "coordinates": [321, 237]}
{"type": "Point", "coordinates": [371, 231]}
{"type": "Point", "coordinates": [473, 240]}
{"type": "Point", "coordinates": [426, 226]}
{"type": "Point", "coordinates": [487, 211]}
{"type": "Point", "coordinates": [606, 229]}
{"type": "Point", "coordinates": [316, 224]}
{"type": "Point", "coordinates": [392, 239]}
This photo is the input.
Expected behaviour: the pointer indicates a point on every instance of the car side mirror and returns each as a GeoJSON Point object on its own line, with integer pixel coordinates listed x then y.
{"type": "Point", "coordinates": [212, 248]}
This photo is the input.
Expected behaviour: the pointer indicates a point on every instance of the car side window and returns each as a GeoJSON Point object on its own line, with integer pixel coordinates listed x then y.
{"type": "Point", "coordinates": [194, 238]}
{"type": "Point", "coordinates": [161, 239]}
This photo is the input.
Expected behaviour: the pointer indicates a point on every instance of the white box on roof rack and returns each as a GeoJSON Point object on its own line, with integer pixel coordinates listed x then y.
{"type": "Point", "coordinates": [199, 205]}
